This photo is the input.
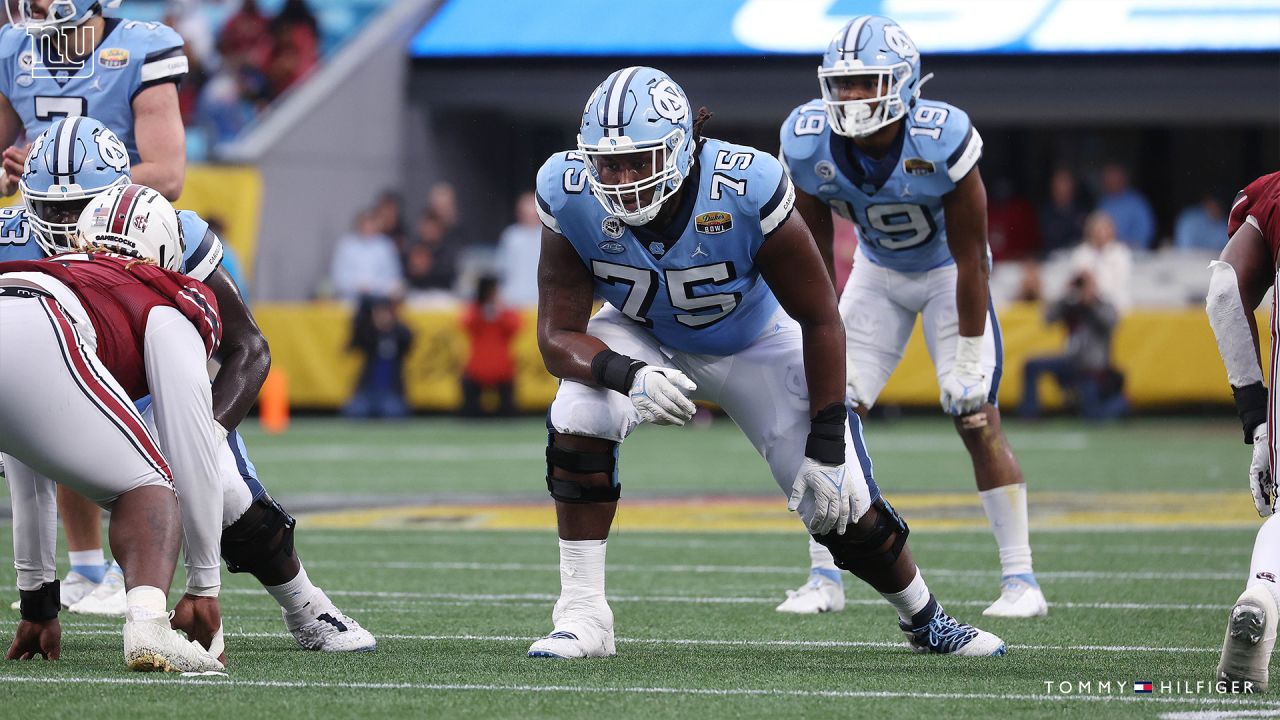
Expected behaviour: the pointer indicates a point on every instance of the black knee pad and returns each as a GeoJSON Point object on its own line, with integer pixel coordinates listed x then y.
{"type": "Point", "coordinates": [854, 549]}
{"type": "Point", "coordinates": [260, 538]}
{"type": "Point", "coordinates": [582, 461]}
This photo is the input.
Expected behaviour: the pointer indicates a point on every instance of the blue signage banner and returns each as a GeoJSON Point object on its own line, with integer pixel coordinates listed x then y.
{"type": "Point", "coordinates": [567, 28]}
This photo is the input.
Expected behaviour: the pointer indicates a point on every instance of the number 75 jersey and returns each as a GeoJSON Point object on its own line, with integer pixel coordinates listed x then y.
{"type": "Point", "coordinates": [896, 200]}
{"type": "Point", "coordinates": [695, 284]}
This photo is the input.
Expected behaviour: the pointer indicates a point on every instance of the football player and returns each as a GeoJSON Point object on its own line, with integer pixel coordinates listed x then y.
{"type": "Point", "coordinates": [64, 59]}
{"type": "Point", "coordinates": [258, 533]}
{"type": "Point", "coordinates": [1239, 280]}
{"type": "Point", "coordinates": [81, 336]}
{"type": "Point", "coordinates": [714, 291]}
{"type": "Point", "coordinates": [906, 171]}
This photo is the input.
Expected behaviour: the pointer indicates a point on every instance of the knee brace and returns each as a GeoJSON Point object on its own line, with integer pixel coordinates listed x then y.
{"type": "Point", "coordinates": [260, 538]}
{"type": "Point", "coordinates": [854, 549]}
{"type": "Point", "coordinates": [582, 461]}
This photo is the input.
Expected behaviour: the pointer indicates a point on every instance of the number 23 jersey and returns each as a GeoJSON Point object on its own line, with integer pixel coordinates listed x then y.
{"type": "Point", "coordinates": [896, 201]}
{"type": "Point", "coordinates": [694, 284]}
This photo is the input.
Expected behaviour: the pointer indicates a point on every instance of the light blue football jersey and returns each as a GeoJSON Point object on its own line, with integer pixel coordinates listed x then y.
{"type": "Point", "coordinates": [897, 200]}
{"type": "Point", "coordinates": [131, 57]}
{"type": "Point", "coordinates": [703, 293]}
{"type": "Point", "coordinates": [202, 255]}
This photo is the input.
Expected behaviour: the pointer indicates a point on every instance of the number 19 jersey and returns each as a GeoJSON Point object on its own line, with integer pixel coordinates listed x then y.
{"type": "Point", "coordinates": [694, 284]}
{"type": "Point", "coordinates": [896, 200]}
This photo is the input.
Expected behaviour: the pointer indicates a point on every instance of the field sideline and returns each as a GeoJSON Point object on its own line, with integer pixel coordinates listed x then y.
{"type": "Point", "coordinates": [438, 536]}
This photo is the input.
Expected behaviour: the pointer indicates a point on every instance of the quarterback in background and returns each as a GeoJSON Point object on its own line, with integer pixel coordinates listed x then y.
{"type": "Point", "coordinates": [906, 171]}
{"type": "Point", "coordinates": [714, 291]}
{"type": "Point", "coordinates": [1239, 281]}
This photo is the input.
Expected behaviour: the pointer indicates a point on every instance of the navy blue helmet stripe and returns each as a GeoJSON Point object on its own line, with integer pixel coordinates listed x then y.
{"type": "Point", "coordinates": [615, 101]}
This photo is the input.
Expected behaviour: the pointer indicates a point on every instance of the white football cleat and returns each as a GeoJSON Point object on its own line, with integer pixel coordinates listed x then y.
{"type": "Point", "coordinates": [820, 594]}
{"type": "Point", "coordinates": [1251, 635]}
{"type": "Point", "coordinates": [1018, 599]}
{"type": "Point", "coordinates": [944, 635]}
{"type": "Point", "coordinates": [105, 599]}
{"type": "Point", "coordinates": [72, 588]}
{"type": "Point", "coordinates": [329, 630]}
{"type": "Point", "coordinates": [580, 633]}
{"type": "Point", "coordinates": [151, 645]}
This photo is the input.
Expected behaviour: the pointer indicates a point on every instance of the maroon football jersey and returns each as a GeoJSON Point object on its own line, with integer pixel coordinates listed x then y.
{"type": "Point", "coordinates": [1259, 205]}
{"type": "Point", "coordinates": [118, 293]}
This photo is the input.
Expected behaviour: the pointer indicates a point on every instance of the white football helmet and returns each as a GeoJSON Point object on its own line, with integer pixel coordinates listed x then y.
{"type": "Point", "coordinates": [133, 220]}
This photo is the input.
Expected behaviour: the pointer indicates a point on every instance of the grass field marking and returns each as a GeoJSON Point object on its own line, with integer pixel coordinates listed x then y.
{"type": "Point", "coordinates": [521, 598]}
{"type": "Point", "coordinates": [577, 689]}
{"type": "Point", "coordinates": [818, 644]}
{"type": "Point", "coordinates": [776, 570]}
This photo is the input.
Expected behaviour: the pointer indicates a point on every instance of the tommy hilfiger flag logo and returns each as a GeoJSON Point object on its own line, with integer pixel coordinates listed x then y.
{"type": "Point", "coordinates": [1142, 687]}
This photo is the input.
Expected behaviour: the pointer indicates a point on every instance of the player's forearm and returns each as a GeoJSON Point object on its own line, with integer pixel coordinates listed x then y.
{"type": "Point", "coordinates": [568, 354]}
{"type": "Point", "coordinates": [235, 388]}
{"type": "Point", "coordinates": [823, 347]}
{"type": "Point", "coordinates": [972, 299]}
{"type": "Point", "coordinates": [164, 177]}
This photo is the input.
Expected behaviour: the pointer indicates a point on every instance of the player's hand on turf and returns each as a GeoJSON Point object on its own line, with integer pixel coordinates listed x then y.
{"type": "Point", "coordinates": [36, 638]}
{"type": "Point", "coordinates": [201, 619]}
{"type": "Point", "coordinates": [660, 395]}
{"type": "Point", "coordinates": [1261, 481]}
{"type": "Point", "coordinates": [836, 497]}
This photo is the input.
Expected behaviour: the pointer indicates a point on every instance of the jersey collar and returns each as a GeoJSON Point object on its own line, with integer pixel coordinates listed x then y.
{"type": "Point", "coordinates": [852, 161]}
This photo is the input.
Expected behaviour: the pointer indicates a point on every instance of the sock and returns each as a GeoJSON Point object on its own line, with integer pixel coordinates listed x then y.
{"type": "Point", "coordinates": [821, 563]}
{"type": "Point", "coordinates": [295, 595]}
{"type": "Point", "coordinates": [581, 575]}
{"type": "Point", "coordinates": [146, 602]}
{"type": "Point", "coordinates": [1264, 568]}
{"type": "Point", "coordinates": [1006, 509]}
{"type": "Point", "coordinates": [89, 563]}
{"type": "Point", "coordinates": [911, 600]}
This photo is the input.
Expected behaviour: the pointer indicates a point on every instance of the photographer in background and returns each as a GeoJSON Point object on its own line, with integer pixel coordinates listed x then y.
{"type": "Point", "coordinates": [1084, 369]}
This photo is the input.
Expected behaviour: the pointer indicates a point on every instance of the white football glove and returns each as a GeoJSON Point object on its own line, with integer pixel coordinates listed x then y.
{"type": "Point", "coordinates": [965, 389]}
{"type": "Point", "coordinates": [659, 395]}
{"type": "Point", "coordinates": [839, 497]}
{"type": "Point", "coordinates": [1261, 481]}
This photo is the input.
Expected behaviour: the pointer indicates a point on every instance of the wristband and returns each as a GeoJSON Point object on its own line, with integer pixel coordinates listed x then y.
{"type": "Point", "coordinates": [40, 605]}
{"type": "Point", "coordinates": [969, 350]}
{"type": "Point", "coordinates": [1251, 406]}
{"type": "Point", "coordinates": [826, 435]}
{"type": "Point", "coordinates": [615, 371]}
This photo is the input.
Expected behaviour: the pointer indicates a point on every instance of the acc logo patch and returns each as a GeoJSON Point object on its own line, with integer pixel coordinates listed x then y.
{"type": "Point", "coordinates": [612, 227]}
{"type": "Point", "coordinates": [713, 223]}
{"type": "Point", "coordinates": [113, 58]}
{"type": "Point", "coordinates": [917, 166]}
{"type": "Point", "coordinates": [612, 247]}
{"type": "Point", "coordinates": [825, 170]}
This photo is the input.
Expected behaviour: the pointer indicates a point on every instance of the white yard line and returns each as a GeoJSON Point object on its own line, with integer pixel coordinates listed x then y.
{"type": "Point", "coordinates": [597, 690]}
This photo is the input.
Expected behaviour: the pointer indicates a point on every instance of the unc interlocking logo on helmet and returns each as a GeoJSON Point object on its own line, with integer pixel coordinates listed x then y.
{"type": "Point", "coordinates": [112, 150]}
{"type": "Point", "coordinates": [636, 110]}
{"type": "Point", "coordinates": [669, 101]}
{"type": "Point", "coordinates": [869, 48]}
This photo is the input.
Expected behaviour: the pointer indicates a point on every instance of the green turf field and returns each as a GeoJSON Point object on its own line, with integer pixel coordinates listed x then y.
{"type": "Point", "coordinates": [1141, 535]}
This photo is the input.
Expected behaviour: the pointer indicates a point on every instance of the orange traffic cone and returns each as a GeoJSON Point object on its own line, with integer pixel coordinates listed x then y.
{"type": "Point", "coordinates": [273, 402]}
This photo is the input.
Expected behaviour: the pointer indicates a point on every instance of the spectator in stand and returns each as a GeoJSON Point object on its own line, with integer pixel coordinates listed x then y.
{"type": "Point", "coordinates": [186, 17]}
{"type": "Point", "coordinates": [1202, 226]}
{"type": "Point", "coordinates": [1062, 218]}
{"type": "Point", "coordinates": [491, 327]}
{"type": "Point", "coordinates": [430, 259]}
{"type": "Point", "coordinates": [1108, 262]}
{"type": "Point", "coordinates": [384, 340]}
{"type": "Point", "coordinates": [390, 212]}
{"type": "Point", "coordinates": [1085, 367]}
{"type": "Point", "coordinates": [1012, 230]}
{"type": "Point", "coordinates": [295, 50]}
{"type": "Point", "coordinates": [366, 263]}
{"type": "Point", "coordinates": [1135, 223]}
{"type": "Point", "coordinates": [517, 256]}
{"type": "Point", "coordinates": [247, 36]}
{"type": "Point", "coordinates": [1030, 284]}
